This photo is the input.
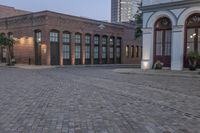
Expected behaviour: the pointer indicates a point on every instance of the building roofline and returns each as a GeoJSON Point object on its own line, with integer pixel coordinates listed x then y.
{"type": "Point", "coordinates": [47, 12]}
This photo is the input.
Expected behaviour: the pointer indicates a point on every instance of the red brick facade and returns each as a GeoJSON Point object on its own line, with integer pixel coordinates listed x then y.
{"type": "Point", "coordinates": [23, 28]}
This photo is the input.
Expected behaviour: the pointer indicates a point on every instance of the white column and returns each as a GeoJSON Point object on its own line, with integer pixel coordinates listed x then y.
{"type": "Point", "coordinates": [147, 57]}
{"type": "Point", "coordinates": [177, 48]}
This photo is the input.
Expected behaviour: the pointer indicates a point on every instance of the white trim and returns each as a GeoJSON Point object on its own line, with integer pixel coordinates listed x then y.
{"type": "Point", "coordinates": [157, 15]}
{"type": "Point", "coordinates": [182, 18]}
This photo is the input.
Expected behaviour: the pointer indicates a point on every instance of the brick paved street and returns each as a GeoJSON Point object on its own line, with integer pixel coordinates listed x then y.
{"type": "Point", "coordinates": [96, 100]}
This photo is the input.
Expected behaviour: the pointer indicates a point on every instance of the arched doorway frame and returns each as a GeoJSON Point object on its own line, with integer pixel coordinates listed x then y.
{"type": "Point", "coordinates": [162, 41]}
{"type": "Point", "coordinates": [192, 35]}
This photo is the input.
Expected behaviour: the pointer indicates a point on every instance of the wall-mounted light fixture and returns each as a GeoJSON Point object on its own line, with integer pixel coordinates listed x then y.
{"type": "Point", "coordinates": [145, 64]}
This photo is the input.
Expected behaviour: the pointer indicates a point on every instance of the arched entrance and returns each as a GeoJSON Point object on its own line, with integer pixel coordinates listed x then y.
{"type": "Point", "coordinates": [192, 35]}
{"type": "Point", "coordinates": [162, 41]}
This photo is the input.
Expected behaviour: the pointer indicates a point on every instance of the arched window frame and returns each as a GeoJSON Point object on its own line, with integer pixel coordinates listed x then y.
{"type": "Point", "coordinates": [163, 37]}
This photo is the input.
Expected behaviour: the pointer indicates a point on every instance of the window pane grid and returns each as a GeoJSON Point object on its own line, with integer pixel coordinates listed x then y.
{"type": "Point", "coordinates": [104, 52]}
{"type": "Point", "coordinates": [111, 53]}
{"type": "Point", "coordinates": [78, 52]}
{"type": "Point", "coordinates": [118, 42]}
{"type": "Point", "coordinates": [77, 39]}
{"type": "Point", "coordinates": [111, 41]}
{"type": "Point", "coordinates": [53, 36]}
{"type": "Point", "coordinates": [96, 40]}
{"type": "Point", "coordinates": [66, 52]}
{"type": "Point", "coordinates": [104, 41]}
{"type": "Point", "coordinates": [87, 39]}
{"type": "Point", "coordinates": [66, 38]}
{"type": "Point", "coordinates": [96, 52]}
{"type": "Point", "coordinates": [38, 36]}
{"type": "Point", "coordinates": [87, 52]}
{"type": "Point", "coordinates": [118, 53]}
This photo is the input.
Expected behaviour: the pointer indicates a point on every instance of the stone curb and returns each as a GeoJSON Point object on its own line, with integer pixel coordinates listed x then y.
{"type": "Point", "coordinates": [159, 73]}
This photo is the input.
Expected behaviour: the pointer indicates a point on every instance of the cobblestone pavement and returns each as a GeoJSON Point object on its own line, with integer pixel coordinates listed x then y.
{"type": "Point", "coordinates": [96, 100]}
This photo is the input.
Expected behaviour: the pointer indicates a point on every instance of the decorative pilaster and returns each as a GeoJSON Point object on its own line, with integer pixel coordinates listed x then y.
{"type": "Point", "coordinates": [73, 48]}
{"type": "Point", "coordinates": [100, 49]}
{"type": "Point", "coordinates": [147, 57]}
{"type": "Point", "coordinates": [177, 48]}
{"type": "Point", "coordinates": [61, 48]}
{"type": "Point", "coordinates": [108, 50]}
{"type": "Point", "coordinates": [92, 49]}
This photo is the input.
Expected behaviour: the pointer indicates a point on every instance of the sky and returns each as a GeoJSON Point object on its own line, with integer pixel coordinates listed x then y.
{"type": "Point", "coordinates": [94, 9]}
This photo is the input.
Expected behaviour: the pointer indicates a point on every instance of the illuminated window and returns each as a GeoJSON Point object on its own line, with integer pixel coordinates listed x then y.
{"type": "Point", "coordinates": [132, 51]}
{"type": "Point", "coordinates": [127, 51]}
{"type": "Point", "coordinates": [38, 36]}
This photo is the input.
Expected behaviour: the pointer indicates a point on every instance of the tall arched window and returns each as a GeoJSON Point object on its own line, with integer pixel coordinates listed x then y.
{"type": "Point", "coordinates": [96, 49]}
{"type": "Point", "coordinates": [38, 54]}
{"type": "Point", "coordinates": [54, 47]}
{"type": "Point", "coordinates": [118, 50]}
{"type": "Point", "coordinates": [104, 49]}
{"type": "Point", "coordinates": [87, 49]}
{"type": "Point", "coordinates": [66, 48]}
{"type": "Point", "coordinates": [192, 42]}
{"type": "Point", "coordinates": [111, 48]}
{"type": "Point", "coordinates": [78, 41]}
{"type": "Point", "coordinates": [193, 33]}
{"type": "Point", "coordinates": [162, 47]}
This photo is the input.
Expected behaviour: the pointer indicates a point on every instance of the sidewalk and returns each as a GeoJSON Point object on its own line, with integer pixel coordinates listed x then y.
{"type": "Point", "coordinates": [32, 67]}
{"type": "Point", "coordinates": [184, 73]}
{"type": "Point", "coordinates": [24, 66]}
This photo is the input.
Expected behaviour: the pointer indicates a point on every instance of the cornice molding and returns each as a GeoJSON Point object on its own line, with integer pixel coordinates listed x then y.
{"type": "Point", "coordinates": [171, 5]}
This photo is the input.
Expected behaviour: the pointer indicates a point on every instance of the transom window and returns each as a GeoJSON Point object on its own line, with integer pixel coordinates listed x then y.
{"type": "Point", "coordinates": [77, 38]}
{"type": "Point", "coordinates": [96, 40]}
{"type": "Point", "coordinates": [118, 41]}
{"type": "Point", "coordinates": [193, 21]}
{"type": "Point", "coordinates": [104, 40]}
{"type": "Point", "coordinates": [112, 41]}
{"type": "Point", "coordinates": [66, 37]}
{"type": "Point", "coordinates": [54, 36]}
{"type": "Point", "coordinates": [38, 36]}
{"type": "Point", "coordinates": [87, 39]}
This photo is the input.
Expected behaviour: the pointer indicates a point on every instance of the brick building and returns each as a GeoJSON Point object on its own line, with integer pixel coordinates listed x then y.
{"type": "Point", "coordinates": [49, 38]}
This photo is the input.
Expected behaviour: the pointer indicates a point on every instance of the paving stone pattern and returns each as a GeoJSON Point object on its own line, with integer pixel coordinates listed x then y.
{"type": "Point", "coordinates": [96, 100]}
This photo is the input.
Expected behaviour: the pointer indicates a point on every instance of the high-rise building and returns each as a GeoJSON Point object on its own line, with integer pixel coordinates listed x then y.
{"type": "Point", "coordinates": [124, 10]}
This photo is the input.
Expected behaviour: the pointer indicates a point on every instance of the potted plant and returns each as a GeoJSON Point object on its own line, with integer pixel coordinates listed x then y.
{"type": "Point", "coordinates": [193, 58]}
{"type": "Point", "coordinates": [158, 65]}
